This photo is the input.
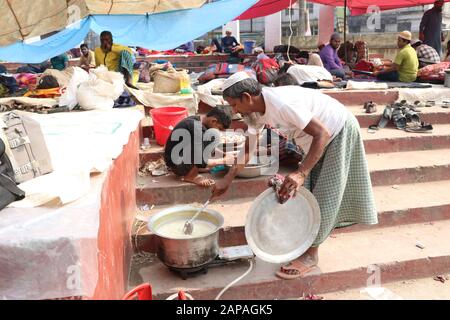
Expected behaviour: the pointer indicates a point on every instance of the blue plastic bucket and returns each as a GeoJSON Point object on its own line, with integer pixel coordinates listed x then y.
{"type": "Point", "coordinates": [249, 46]}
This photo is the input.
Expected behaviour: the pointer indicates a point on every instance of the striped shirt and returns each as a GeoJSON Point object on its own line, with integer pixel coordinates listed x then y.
{"type": "Point", "coordinates": [427, 54]}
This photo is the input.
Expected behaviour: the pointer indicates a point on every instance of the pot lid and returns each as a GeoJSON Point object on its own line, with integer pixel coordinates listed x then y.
{"type": "Point", "coordinates": [279, 233]}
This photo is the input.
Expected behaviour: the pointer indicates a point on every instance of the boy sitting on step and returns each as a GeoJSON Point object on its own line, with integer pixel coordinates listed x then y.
{"type": "Point", "coordinates": [190, 146]}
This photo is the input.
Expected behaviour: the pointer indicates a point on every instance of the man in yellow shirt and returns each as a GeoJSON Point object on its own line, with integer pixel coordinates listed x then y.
{"type": "Point", "coordinates": [406, 63]}
{"type": "Point", "coordinates": [87, 59]}
{"type": "Point", "coordinates": [115, 57]}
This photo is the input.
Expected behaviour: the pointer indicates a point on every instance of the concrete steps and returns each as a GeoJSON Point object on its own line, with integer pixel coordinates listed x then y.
{"type": "Point", "coordinates": [434, 115]}
{"type": "Point", "coordinates": [394, 140]}
{"type": "Point", "coordinates": [385, 140]}
{"type": "Point", "coordinates": [411, 177]}
{"type": "Point", "coordinates": [385, 169]}
{"type": "Point", "coordinates": [397, 205]}
{"type": "Point", "coordinates": [346, 261]}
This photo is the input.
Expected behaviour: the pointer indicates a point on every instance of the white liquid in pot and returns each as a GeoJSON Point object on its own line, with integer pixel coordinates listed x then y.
{"type": "Point", "coordinates": [174, 229]}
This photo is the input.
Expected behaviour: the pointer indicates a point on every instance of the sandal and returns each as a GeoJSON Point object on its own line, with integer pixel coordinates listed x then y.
{"type": "Point", "coordinates": [420, 127]}
{"type": "Point", "coordinates": [289, 272]}
{"type": "Point", "coordinates": [399, 119]}
{"type": "Point", "coordinates": [411, 115]}
{"type": "Point", "coordinates": [387, 116]}
{"type": "Point", "coordinates": [370, 107]}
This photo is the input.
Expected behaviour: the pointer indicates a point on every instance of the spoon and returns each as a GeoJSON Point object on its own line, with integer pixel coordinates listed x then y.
{"type": "Point", "coordinates": [188, 226]}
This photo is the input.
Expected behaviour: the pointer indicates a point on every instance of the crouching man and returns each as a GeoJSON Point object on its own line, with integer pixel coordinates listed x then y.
{"type": "Point", "coordinates": [334, 169]}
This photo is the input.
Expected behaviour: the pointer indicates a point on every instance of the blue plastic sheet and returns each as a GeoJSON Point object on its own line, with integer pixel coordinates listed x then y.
{"type": "Point", "coordinates": [162, 31]}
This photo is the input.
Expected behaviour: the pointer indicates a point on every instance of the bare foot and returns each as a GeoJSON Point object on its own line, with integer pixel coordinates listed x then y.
{"type": "Point", "coordinates": [299, 267]}
{"type": "Point", "coordinates": [200, 181]}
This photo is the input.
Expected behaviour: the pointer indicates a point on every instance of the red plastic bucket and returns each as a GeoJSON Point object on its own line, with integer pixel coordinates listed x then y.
{"type": "Point", "coordinates": [164, 120]}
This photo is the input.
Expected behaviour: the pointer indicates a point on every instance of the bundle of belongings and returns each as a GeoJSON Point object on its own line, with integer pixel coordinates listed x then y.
{"type": "Point", "coordinates": [403, 116]}
{"type": "Point", "coordinates": [266, 71]}
{"type": "Point", "coordinates": [169, 81]}
{"type": "Point", "coordinates": [43, 106]}
{"type": "Point", "coordinates": [8, 85]}
{"type": "Point", "coordinates": [221, 71]}
{"type": "Point", "coordinates": [47, 87]}
{"type": "Point", "coordinates": [434, 73]}
{"type": "Point", "coordinates": [23, 155]}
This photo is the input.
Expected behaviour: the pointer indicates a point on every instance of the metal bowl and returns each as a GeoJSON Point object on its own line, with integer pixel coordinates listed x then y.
{"type": "Point", "coordinates": [186, 253]}
{"type": "Point", "coordinates": [254, 171]}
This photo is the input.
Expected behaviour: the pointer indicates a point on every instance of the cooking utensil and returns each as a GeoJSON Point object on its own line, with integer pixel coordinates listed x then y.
{"type": "Point", "coordinates": [182, 252]}
{"type": "Point", "coordinates": [279, 233]}
{"type": "Point", "coordinates": [188, 226]}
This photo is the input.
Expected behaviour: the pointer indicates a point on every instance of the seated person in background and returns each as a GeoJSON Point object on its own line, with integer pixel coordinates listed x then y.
{"type": "Point", "coordinates": [189, 164]}
{"type": "Point", "coordinates": [427, 55]}
{"type": "Point", "coordinates": [214, 47]}
{"type": "Point", "coordinates": [87, 59]}
{"type": "Point", "coordinates": [229, 43]}
{"type": "Point", "coordinates": [115, 57]}
{"type": "Point", "coordinates": [447, 56]}
{"type": "Point", "coordinates": [406, 63]}
{"type": "Point", "coordinates": [260, 53]}
{"type": "Point", "coordinates": [330, 58]}
{"type": "Point", "coordinates": [60, 62]}
{"type": "Point", "coordinates": [310, 58]}
{"type": "Point", "coordinates": [187, 47]}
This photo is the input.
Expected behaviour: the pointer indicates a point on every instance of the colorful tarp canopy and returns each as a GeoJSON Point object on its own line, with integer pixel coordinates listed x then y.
{"type": "Point", "coordinates": [162, 31]}
{"type": "Point", "coordinates": [23, 19]}
{"type": "Point", "coordinates": [264, 8]}
{"type": "Point", "coordinates": [358, 7]}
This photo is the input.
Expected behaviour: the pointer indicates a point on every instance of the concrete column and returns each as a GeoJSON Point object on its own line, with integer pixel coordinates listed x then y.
{"type": "Point", "coordinates": [234, 26]}
{"type": "Point", "coordinates": [272, 33]}
{"type": "Point", "coordinates": [326, 23]}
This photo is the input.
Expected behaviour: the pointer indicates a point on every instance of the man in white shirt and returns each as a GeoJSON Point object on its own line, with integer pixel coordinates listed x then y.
{"type": "Point", "coordinates": [334, 169]}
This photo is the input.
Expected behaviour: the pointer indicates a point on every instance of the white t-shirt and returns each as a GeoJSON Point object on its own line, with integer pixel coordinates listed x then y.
{"type": "Point", "coordinates": [307, 73]}
{"type": "Point", "coordinates": [291, 108]}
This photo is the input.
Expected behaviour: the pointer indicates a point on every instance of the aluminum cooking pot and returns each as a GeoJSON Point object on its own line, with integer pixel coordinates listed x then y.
{"type": "Point", "coordinates": [186, 253]}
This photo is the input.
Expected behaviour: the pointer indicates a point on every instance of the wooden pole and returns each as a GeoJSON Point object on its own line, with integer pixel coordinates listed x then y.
{"type": "Point", "coordinates": [345, 29]}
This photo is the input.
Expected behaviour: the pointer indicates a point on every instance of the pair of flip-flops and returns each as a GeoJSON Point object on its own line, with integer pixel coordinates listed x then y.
{"type": "Point", "coordinates": [404, 117]}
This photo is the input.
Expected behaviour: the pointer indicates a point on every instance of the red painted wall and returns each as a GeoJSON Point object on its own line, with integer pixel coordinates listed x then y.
{"type": "Point", "coordinates": [118, 208]}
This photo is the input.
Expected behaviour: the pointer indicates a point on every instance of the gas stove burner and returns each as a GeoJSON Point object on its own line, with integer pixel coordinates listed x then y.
{"type": "Point", "coordinates": [186, 273]}
{"type": "Point", "coordinates": [229, 255]}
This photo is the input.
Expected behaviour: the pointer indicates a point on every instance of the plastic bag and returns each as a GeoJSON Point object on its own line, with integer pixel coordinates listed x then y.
{"type": "Point", "coordinates": [101, 90]}
{"type": "Point", "coordinates": [69, 98]}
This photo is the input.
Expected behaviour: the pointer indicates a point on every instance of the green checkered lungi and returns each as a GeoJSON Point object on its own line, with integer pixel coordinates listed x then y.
{"type": "Point", "coordinates": [126, 62]}
{"type": "Point", "coordinates": [341, 183]}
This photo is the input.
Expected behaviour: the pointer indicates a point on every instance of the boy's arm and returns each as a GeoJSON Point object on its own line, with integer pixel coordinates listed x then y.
{"type": "Point", "coordinates": [243, 158]}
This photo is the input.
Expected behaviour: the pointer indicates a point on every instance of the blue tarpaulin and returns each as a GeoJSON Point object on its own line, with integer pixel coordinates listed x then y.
{"type": "Point", "coordinates": [162, 31]}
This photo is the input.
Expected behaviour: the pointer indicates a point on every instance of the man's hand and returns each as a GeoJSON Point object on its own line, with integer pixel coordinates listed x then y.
{"type": "Point", "coordinates": [421, 36]}
{"type": "Point", "coordinates": [291, 184]}
{"type": "Point", "coordinates": [220, 188]}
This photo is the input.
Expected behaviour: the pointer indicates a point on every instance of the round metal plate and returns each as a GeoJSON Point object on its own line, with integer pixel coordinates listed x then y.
{"type": "Point", "coordinates": [280, 233]}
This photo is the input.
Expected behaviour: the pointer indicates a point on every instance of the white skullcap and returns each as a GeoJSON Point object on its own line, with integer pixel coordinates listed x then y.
{"type": "Point", "coordinates": [235, 78]}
